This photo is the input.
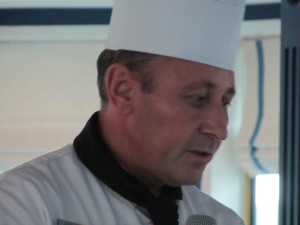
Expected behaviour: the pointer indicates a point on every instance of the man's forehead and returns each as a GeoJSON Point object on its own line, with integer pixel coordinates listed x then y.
{"type": "Point", "coordinates": [194, 75]}
{"type": "Point", "coordinates": [205, 84]}
{"type": "Point", "coordinates": [201, 67]}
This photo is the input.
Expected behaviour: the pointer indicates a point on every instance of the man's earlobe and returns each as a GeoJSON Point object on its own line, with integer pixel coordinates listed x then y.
{"type": "Point", "coordinates": [119, 84]}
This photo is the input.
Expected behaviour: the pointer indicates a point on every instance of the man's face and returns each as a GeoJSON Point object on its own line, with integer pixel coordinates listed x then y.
{"type": "Point", "coordinates": [176, 130]}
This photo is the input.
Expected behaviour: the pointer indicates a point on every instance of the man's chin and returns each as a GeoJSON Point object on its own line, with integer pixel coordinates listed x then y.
{"type": "Point", "coordinates": [196, 181]}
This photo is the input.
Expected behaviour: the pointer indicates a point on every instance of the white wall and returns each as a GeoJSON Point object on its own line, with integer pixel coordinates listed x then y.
{"type": "Point", "coordinates": [47, 92]}
{"type": "Point", "coordinates": [224, 179]}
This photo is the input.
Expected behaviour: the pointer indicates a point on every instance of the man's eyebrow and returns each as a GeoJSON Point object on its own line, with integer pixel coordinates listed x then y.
{"type": "Point", "coordinates": [198, 85]}
{"type": "Point", "coordinates": [209, 85]}
{"type": "Point", "coordinates": [231, 91]}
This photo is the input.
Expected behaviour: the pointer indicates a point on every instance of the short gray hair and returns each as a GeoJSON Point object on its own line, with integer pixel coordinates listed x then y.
{"type": "Point", "coordinates": [141, 64]}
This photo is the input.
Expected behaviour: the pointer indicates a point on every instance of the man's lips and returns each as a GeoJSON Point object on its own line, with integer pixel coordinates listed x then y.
{"type": "Point", "coordinates": [200, 156]}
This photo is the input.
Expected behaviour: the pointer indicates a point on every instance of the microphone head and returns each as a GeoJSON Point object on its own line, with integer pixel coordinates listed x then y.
{"type": "Point", "coordinates": [200, 220]}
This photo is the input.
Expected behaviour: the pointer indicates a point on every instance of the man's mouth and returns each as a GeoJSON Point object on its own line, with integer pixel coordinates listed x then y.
{"type": "Point", "coordinates": [200, 156]}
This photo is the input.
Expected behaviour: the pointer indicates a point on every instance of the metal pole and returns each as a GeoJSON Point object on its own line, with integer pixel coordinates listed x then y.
{"type": "Point", "coordinates": [289, 210]}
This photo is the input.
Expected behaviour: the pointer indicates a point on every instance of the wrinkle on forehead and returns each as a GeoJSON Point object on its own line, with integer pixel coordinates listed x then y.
{"type": "Point", "coordinates": [208, 85]}
{"type": "Point", "coordinates": [211, 77]}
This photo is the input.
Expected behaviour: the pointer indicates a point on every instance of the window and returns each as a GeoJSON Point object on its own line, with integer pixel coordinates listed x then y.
{"type": "Point", "coordinates": [266, 199]}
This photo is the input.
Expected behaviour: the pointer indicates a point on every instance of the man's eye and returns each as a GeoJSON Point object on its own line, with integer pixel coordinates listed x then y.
{"type": "Point", "coordinates": [199, 98]}
{"type": "Point", "coordinates": [196, 100]}
{"type": "Point", "coordinates": [226, 104]}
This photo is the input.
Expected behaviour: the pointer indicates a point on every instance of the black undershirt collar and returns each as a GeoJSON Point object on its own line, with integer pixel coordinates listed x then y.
{"type": "Point", "coordinates": [94, 153]}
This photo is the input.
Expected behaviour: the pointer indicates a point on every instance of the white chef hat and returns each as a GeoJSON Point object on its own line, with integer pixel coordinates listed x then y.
{"type": "Point", "coordinates": [205, 31]}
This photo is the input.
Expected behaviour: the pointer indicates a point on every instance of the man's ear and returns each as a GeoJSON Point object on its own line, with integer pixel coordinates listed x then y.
{"type": "Point", "coordinates": [119, 87]}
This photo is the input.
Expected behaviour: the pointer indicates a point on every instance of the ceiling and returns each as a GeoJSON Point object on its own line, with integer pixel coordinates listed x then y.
{"type": "Point", "coordinates": [250, 29]}
{"type": "Point", "coordinates": [82, 3]}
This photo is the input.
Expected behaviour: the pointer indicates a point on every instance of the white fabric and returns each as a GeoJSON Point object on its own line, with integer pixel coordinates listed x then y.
{"type": "Point", "coordinates": [205, 31]}
{"type": "Point", "coordinates": [58, 186]}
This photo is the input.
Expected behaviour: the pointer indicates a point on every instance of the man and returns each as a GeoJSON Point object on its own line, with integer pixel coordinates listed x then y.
{"type": "Point", "coordinates": [165, 82]}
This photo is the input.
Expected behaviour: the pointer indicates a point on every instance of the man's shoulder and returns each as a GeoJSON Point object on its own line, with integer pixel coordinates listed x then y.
{"type": "Point", "coordinates": [200, 203]}
{"type": "Point", "coordinates": [195, 194]}
{"type": "Point", "coordinates": [33, 190]}
{"type": "Point", "coordinates": [39, 168]}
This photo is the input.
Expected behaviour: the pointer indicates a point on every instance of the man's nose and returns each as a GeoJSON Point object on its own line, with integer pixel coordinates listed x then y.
{"type": "Point", "coordinates": [214, 122]}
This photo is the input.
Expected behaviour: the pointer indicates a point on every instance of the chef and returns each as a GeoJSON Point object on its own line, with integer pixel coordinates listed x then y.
{"type": "Point", "coordinates": [165, 81]}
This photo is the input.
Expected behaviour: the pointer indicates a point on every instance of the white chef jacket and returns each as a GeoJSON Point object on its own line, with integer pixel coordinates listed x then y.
{"type": "Point", "coordinates": [58, 186]}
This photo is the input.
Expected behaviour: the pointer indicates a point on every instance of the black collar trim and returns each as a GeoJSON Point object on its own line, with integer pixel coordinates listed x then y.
{"type": "Point", "coordinates": [94, 153]}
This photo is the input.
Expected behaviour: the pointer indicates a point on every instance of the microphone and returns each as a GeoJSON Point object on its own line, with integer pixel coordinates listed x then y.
{"type": "Point", "coordinates": [200, 220]}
